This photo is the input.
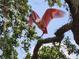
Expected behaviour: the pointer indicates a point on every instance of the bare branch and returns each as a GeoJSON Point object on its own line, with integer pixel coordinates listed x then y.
{"type": "Point", "coordinates": [59, 36]}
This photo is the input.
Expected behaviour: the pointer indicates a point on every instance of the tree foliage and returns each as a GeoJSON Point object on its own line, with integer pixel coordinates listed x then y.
{"type": "Point", "coordinates": [13, 20]}
{"type": "Point", "coordinates": [51, 53]}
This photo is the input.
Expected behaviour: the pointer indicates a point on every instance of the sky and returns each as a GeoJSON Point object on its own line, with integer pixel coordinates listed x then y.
{"type": "Point", "coordinates": [40, 6]}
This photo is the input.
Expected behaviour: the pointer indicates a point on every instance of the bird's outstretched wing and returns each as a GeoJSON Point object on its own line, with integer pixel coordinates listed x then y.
{"type": "Point", "coordinates": [50, 14]}
{"type": "Point", "coordinates": [33, 18]}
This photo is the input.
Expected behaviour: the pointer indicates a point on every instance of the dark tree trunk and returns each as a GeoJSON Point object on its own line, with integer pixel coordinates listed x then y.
{"type": "Point", "coordinates": [75, 16]}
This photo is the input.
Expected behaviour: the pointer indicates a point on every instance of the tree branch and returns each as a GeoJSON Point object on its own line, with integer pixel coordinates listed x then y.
{"type": "Point", "coordinates": [59, 36]}
{"type": "Point", "coordinates": [74, 8]}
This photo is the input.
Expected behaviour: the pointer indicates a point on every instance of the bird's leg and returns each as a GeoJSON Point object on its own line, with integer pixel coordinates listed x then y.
{"type": "Point", "coordinates": [39, 37]}
{"type": "Point", "coordinates": [42, 34]}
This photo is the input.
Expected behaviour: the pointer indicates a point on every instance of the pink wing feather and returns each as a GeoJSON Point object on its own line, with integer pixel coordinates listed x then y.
{"type": "Point", "coordinates": [33, 17]}
{"type": "Point", "coordinates": [50, 14]}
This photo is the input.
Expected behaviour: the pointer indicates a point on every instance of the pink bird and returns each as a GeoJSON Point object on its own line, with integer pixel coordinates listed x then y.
{"type": "Point", "coordinates": [47, 17]}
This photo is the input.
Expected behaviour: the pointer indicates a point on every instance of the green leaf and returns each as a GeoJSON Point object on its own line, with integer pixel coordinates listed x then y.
{"type": "Point", "coordinates": [59, 3]}
{"type": "Point", "coordinates": [50, 3]}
